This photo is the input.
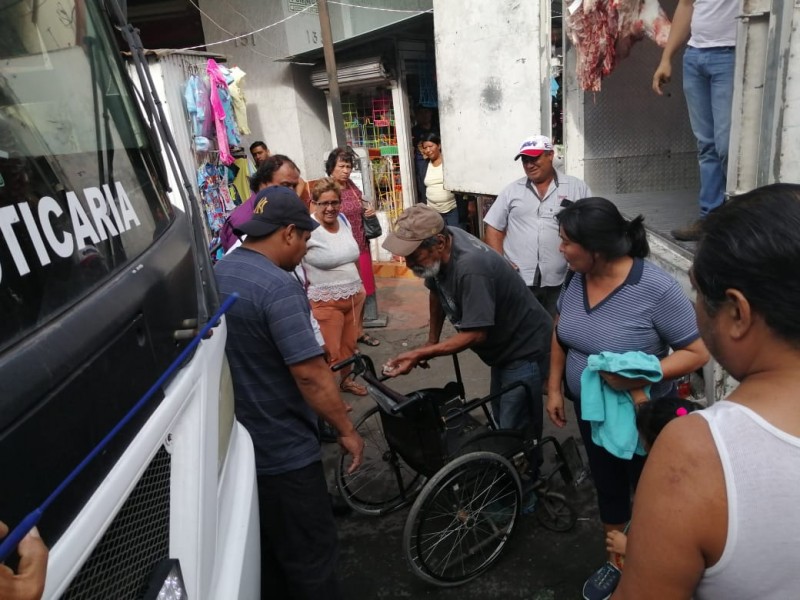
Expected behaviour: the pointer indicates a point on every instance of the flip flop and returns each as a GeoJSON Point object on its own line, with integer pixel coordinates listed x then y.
{"type": "Point", "coordinates": [368, 340]}
{"type": "Point", "coordinates": [348, 385]}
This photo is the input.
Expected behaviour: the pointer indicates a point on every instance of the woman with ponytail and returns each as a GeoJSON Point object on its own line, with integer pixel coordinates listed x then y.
{"type": "Point", "coordinates": [615, 302]}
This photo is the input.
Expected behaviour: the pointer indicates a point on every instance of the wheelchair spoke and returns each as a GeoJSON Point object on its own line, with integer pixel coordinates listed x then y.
{"type": "Point", "coordinates": [463, 518]}
{"type": "Point", "coordinates": [384, 482]}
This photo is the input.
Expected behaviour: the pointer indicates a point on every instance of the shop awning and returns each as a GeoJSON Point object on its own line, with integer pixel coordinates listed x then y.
{"type": "Point", "coordinates": [360, 72]}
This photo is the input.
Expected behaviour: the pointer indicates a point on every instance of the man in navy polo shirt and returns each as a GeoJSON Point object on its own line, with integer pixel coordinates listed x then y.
{"type": "Point", "coordinates": [281, 383]}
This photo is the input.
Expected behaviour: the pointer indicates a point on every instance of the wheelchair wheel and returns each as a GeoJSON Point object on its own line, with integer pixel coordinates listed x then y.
{"type": "Point", "coordinates": [384, 482]}
{"type": "Point", "coordinates": [554, 512]}
{"type": "Point", "coordinates": [462, 519]}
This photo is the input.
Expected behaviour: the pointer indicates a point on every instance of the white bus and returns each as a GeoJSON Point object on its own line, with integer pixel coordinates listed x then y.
{"type": "Point", "coordinates": [103, 283]}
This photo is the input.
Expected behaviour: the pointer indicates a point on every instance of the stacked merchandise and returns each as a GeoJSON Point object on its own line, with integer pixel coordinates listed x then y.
{"type": "Point", "coordinates": [217, 113]}
{"type": "Point", "coordinates": [369, 123]}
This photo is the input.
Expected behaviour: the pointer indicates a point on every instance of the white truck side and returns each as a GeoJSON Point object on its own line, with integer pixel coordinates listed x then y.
{"type": "Point", "coordinates": [494, 64]}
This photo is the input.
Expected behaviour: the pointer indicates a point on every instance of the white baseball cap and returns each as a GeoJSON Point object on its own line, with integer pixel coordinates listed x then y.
{"type": "Point", "coordinates": [534, 146]}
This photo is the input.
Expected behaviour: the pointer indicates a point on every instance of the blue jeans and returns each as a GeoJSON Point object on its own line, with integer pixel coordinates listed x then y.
{"type": "Point", "coordinates": [521, 407]}
{"type": "Point", "coordinates": [708, 87]}
{"type": "Point", "coordinates": [451, 218]}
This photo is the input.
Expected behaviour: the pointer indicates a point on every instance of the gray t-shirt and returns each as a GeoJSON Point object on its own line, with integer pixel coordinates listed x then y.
{"type": "Point", "coordinates": [478, 289]}
{"type": "Point", "coordinates": [531, 228]}
{"type": "Point", "coordinates": [269, 329]}
{"type": "Point", "coordinates": [649, 312]}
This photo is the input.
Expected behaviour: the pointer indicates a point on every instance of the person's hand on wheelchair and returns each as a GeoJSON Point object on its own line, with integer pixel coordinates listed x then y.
{"type": "Point", "coordinates": [352, 443]}
{"type": "Point", "coordinates": [403, 363]}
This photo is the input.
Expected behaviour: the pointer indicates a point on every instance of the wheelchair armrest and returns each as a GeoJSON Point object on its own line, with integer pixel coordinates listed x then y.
{"type": "Point", "coordinates": [471, 405]}
{"type": "Point", "coordinates": [390, 401]}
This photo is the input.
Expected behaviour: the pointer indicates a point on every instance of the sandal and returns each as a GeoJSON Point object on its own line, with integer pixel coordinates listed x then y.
{"type": "Point", "coordinates": [368, 340]}
{"type": "Point", "coordinates": [348, 385]}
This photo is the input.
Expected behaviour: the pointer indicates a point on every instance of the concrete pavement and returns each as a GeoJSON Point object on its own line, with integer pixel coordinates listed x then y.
{"type": "Point", "coordinates": [537, 564]}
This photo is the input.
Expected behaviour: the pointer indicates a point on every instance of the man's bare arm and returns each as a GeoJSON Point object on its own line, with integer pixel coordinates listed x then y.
{"type": "Point", "coordinates": [318, 387]}
{"type": "Point", "coordinates": [436, 319]}
{"type": "Point", "coordinates": [494, 238]}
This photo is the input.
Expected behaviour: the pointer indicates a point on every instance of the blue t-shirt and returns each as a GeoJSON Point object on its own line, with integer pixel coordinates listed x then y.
{"type": "Point", "coordinates": [268, 330]}
{"type": "Point", "coordinates": [649, 312]}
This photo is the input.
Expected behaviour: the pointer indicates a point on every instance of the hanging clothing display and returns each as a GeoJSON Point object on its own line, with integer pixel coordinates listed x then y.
{"type": "Point", "coordinates": [241, 180]}
{"type": "Point", "coordinates": [239, 102]}
{"type": "Point", "coordinates": [222, 111]}
{"type": "Point", "coordinates": [198, 105]}
{"type": "Point", "coordinates": [212, 179]}
{"type": "Point", "coordinates": [217, 119]}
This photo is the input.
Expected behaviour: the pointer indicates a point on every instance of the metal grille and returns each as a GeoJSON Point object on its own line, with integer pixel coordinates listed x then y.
{"type": "Point", "coordinates": [634, 141]}
{"type": "Point", "coordinates": [136, 540]}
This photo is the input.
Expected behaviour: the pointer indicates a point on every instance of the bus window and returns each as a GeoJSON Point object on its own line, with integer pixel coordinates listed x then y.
{"type": "Point", "coordinates": [79, 200]}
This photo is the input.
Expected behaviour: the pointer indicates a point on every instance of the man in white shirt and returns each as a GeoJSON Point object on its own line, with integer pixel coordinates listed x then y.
{"type": "Point", "coordinates": [708, 65]}
{"type": "Point", "coordinates": [521, 223]}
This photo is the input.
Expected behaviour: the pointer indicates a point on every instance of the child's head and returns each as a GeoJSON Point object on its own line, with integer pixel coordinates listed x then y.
{"type": "Point", "coordinates": [653, 415]}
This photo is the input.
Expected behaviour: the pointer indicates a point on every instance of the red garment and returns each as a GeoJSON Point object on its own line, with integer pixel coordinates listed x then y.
{"type": "Point", "coordinates": [366, 272]}
{"type": "Point", "coordinates": [217, 80]}
{"type": "Point", "coordinates": [353, 210]}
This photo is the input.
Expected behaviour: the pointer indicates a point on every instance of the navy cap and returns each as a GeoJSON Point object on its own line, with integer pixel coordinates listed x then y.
{"type": "Point", "coordinates": [275, 207]}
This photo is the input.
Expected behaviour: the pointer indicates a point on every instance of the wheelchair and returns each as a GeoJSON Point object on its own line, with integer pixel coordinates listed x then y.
{"type": "Point", "coordinates": [463, 475]}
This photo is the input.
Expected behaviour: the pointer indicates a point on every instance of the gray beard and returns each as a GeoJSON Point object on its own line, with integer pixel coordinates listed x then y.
{"type": "Point", "coordinates": [427, 272]}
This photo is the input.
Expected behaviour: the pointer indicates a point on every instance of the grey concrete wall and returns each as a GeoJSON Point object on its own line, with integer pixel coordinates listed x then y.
{"type": "Point", "coordinates": [491, 74]}
{"type": "Point", "coordinates": [283, 108]}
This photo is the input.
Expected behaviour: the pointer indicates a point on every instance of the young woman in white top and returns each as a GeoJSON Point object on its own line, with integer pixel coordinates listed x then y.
{"type": "Point", "coordinates": [441, 200]}
{"type": "Point", "coordinates": [334, 284]}
{"type": "Point", "coordinates": [716, 511]}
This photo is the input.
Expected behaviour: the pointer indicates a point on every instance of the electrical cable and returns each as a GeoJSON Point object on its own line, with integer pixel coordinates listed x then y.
{"type": "Point", "coordinates": [238, 37]}
{"type": "Point", "coordinates": [310, 6]}
{"type": "Point", "coordinates": [397, 10]}
{"type": "Point", "coordinates": [207, 16]}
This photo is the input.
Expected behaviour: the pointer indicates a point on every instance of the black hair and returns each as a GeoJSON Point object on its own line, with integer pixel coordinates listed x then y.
{"type": "Point", "coordinates": [434, 239]}
{"type": "Point", "coordinates": [255, 145]}
{"type": "Point", "coordinates": [597, 225]}
{"type": "Point", "coordinates": [431, 136]}
{"type": "Point", "coordinates": [652, 416]}
{"type": "Point", "coordinates": [752, 244]}
{"type": "Point", "coordinates": [344, 154]}
{"type": "Point", "coordinates": [266, 171]}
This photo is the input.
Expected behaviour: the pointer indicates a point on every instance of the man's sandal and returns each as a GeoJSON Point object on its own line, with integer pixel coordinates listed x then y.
{"type": "Point", "coordinates": [350, 386]}
{"type": "Point", "coordinates": [368, 340]}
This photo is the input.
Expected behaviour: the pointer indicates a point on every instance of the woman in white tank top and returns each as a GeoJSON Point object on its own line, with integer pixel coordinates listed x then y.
{"type": "Point", "coordinates": [717, 511]}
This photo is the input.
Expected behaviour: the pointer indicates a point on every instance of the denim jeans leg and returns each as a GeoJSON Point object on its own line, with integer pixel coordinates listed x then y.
{"type": "Point", "coordinates": [698, 68]}
{"type": "Point", "coordinates": [519, 408]}
{"type": "Point", "coordinates": [721, 65]}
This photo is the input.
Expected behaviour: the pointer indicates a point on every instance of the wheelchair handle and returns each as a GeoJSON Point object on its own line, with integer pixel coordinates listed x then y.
{"type": "Point", "coordinates": [347, 361]}
{"type": "Point", "coordinates": [361, 364]}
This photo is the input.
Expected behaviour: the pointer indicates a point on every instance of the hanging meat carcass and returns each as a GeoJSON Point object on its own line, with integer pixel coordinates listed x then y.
{"type": "Point", "coordinates": [603, 32]}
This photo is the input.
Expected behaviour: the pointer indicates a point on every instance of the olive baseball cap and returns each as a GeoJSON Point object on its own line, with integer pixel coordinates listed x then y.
{"type": "Point", "coordinates": [414, 226]}
{"type": "Point", "coordinates": [275, 207]}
